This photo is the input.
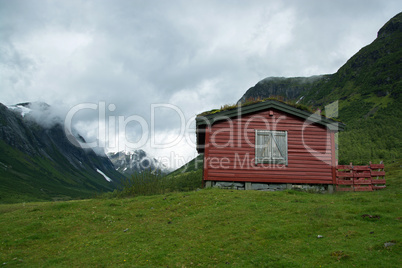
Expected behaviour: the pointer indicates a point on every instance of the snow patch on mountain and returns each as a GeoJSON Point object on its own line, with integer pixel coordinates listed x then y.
{"type": "Point", "coordinates": [40, 112]}
{"type": "Point", "coordinates": [299, 99]}
{"type": "Point", "coordinates": [20, 109]}
{"type": "Point", "coordinates": [104, 175]}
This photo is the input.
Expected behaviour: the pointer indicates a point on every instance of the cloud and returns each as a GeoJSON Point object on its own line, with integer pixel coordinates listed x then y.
{"type": "Point", "coordinates": [196, 55]}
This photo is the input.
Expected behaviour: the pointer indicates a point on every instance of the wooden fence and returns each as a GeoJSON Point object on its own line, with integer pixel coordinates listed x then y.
{"type": "Point", "coordinates": [360, 178]}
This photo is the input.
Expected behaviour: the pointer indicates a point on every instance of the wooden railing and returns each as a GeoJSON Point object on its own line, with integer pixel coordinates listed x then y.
{"type": "Point", "coordinates": [360, 178]}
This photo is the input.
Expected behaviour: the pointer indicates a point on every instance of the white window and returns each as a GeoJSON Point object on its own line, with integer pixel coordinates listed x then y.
{"type": "Point", "coordinates": [271, 147]}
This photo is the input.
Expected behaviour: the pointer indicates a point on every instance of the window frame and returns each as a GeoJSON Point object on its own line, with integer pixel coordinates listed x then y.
{"type": "Point", "coordinates": [271, 159]}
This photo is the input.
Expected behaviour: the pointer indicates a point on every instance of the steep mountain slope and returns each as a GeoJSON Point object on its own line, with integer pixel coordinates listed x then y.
{"type": "Point", "coordinates": [196, 164]}
{"type": "Point", "coordinates": [40, 163]}
{"type": "Point", "coordinates": [374, 69]}
{"type": "Point", "coordinates": [289, 88]}
{"type": "Point", "coordinates": [368, 88]}
{"type": "Point", "coordinates": [129, 163]}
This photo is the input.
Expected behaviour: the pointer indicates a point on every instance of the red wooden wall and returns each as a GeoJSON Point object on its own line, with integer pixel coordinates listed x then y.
{"type": "Point", "coordinates": [230, 150]}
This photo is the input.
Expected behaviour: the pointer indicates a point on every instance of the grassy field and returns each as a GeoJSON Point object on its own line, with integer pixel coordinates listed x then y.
{"type": "Point", "coordinates": [209, 227]}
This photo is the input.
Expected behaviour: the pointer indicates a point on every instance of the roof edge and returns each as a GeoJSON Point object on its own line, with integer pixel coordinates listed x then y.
{"type": "Point", "coordinates": [244, 110]}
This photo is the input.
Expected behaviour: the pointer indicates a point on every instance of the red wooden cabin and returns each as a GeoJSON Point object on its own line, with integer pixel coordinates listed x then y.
{"type": "Point", "coordinates": [267, 142]}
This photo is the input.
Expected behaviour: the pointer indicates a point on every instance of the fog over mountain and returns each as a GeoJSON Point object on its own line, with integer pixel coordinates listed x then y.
{"type": "Point", "coordinates": [44, 162]}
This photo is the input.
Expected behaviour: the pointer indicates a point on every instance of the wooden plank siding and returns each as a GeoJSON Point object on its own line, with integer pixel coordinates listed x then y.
{"type": "Point", "coordinates": [230, 150]}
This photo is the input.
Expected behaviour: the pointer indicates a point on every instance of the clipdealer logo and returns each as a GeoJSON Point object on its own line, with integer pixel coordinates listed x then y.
{"type": "Point", "coordinates": [110, 127]}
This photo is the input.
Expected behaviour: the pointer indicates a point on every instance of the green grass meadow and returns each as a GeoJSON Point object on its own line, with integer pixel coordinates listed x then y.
{"type": "Point", "coordinates": [208, 228]}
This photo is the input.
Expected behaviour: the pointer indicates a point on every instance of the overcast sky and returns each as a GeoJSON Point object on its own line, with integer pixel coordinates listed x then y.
{"type": "Point", "coordinates": [190, 55]}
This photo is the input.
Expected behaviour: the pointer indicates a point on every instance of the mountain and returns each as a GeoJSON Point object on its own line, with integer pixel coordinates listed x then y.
{"type": "Point", "coordinates": [288, 88]}
{"type": "Point", "coordinates": [375, 69]}
{"type": "Point", "coordinates": [129, 163]}
{"type": "Point", "coordinates": [194, 165]}
{"type": "Point", "coordinates": [38, 161]}
{"type": "Point", "coordinates": [368, 90]}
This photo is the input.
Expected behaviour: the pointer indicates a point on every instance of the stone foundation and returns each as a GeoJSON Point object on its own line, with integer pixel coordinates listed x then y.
{"type": "Point", "coordinates": [317, 188]}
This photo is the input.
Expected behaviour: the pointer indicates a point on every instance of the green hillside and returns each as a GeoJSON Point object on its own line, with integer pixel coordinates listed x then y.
{"type": "Point", "coordinates": [209, 228]}
{"type": "Point", "coordinates": [368, 90]}
{"type": "Point", "coordinates": [24, 178]}
{"type": "Point", "coordinates": [193, 165]}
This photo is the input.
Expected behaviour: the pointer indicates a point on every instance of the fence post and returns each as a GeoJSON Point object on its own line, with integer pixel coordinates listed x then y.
{"type": "Point", "coordinates": [376, 181]}
{"type": "Point", "coordinates": [344, 175]}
